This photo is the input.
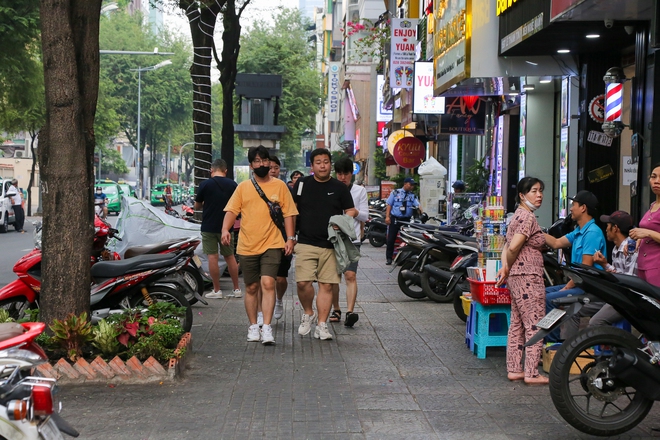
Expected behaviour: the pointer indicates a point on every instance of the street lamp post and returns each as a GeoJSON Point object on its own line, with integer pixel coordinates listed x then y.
{"type": "Point", "coordinates": [139, 70]}
{"type": "Point", "coordinates": [180, 155]}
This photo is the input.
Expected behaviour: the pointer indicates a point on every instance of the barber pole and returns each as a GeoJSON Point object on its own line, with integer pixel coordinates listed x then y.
{"type": "Point", "coordinates": [613, 102]}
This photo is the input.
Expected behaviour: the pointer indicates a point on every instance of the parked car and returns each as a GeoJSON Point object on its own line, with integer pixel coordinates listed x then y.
{"type": "Point", "coordinates": [127, 189]}
{"type": "Point", "coordinates": [112, 191]}
{"type": "Point", "coordinates": [6, 211]}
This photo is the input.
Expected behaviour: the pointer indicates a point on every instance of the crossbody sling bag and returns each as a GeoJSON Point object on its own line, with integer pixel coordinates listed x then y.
{"type": "Point", "coordinates": [274, 209]}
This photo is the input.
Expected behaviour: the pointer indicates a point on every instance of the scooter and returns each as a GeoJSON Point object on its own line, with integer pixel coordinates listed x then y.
{"type": "Point", "coordinates": [604, 380]}
{"type": "Point", "coordinates": [27, 404]}
{"type": "Point", "coordinates": [375, 230]}
{"type": "Point", "coordinates": [98, 208]}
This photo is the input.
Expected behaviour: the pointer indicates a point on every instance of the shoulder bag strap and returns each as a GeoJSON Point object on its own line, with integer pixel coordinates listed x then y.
{"type": "Point", "coordinates": [260, 191]}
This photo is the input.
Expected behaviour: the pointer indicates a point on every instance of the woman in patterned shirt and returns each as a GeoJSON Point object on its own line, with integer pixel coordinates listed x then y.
{"type": "Point", "coordinates": [522, 269]}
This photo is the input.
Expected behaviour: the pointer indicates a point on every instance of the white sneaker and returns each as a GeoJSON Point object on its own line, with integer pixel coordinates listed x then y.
{"type": "Point", "coordinates": [260, 319]}
{"type": "Point", "coordinates": [267, 335]}
{"type": "Point", "coordinates": [321, 331]}
{"type": "Point", "coordinates": [279, 309]}
{"type": "Point", "coordinates": [237, 293]}
{"type": "Point", "coordinates": [306, 322]}
{"type": "Point", "coordinates": [253, 333]}
{"type": "Point", "coordinates": [214, 295]}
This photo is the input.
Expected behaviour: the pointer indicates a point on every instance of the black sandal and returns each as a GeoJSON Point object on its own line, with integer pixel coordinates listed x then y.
{"type": "Point", "coordinates": [351, 319]}
{"type": "Point", "coordinates": [335, 316]}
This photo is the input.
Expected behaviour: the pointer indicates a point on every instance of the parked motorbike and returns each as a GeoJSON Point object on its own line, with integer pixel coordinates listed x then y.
{"type": "Point", "coordinates": [603, 380]}
{"type": "Point", "coordinates": [27, 404]}
{"type": "Point", "coordinates": [375, 230]}
{"type": "Point", "coordinates": [189, 280]}
{"type": "Point", "coordinates": [117, 284]}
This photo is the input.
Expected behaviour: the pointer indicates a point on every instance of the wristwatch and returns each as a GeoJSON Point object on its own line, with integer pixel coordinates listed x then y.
{"type": "Point", "coordinates": [293, 237]}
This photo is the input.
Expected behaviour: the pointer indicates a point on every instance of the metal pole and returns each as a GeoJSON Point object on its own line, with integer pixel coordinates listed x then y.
{"type": "Point", "coordinates": [167, 165]}
{"type": "Point", "coordinates": [180, 157]}
{"type": "Point", "coordinates": [100, 161]}
{"type": "Point", "coordinates": [139, 165]}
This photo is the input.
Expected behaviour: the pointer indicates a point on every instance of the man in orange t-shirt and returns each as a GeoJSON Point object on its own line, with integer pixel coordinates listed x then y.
{"type": "Point", "coordinates": [260, 240]}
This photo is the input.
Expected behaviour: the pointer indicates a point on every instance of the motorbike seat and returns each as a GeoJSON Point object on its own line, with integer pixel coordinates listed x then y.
{"type": "Point", "coordinates": [459, 237]}
{"type": "Point", "coordinates": [638, 284]}
{"type": "Point", "coordinates": [10, 330]}
{"type": "Point", "coordinates": [115, 268]}
{"type": "Point", "coordinates": [151, 248]}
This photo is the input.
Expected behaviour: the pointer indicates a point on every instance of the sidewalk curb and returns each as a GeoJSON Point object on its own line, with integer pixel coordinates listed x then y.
{"type": "Point", "coordinates": [116, 370]}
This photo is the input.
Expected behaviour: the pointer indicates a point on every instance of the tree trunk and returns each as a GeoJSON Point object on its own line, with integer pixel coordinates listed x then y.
{"type": "Point", "coordinates": [70, 45]}
{"type": "Point", "coordinates": [227, 66]}
{"type": "Point", "coordinates": [202, 20]}
{"type": "Point", "coordinates": [33, 136]}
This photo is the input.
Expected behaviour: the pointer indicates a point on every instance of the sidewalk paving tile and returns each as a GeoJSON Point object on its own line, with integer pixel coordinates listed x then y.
{"type": "Point", "coordinates": [403, 372]}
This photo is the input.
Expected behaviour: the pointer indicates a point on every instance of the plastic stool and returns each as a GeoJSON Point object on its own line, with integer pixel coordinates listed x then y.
{"type": "Point", "coordinates": [623, 325]}
{"type": "Point", "coordinates": [487, 327]}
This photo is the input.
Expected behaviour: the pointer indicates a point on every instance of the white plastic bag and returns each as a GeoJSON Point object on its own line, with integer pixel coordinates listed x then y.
{"type": "Point", "coordinates": [432, 167]}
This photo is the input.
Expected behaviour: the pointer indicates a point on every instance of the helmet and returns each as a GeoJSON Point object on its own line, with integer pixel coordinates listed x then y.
{"type": "Point", "coordinates": [98, 188]}
{"type": "Point", "coordinates": [459, 185]}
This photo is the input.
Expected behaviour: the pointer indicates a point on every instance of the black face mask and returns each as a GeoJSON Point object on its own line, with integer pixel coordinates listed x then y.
{"type": "Point", "coordinates": [261, 171]}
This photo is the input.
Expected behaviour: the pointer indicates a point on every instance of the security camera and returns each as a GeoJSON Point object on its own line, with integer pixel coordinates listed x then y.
{"type": "Point", "coordinates": [609, 23]}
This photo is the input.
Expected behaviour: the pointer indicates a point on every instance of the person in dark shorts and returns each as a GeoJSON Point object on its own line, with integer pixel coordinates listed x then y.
{"type": "Point", "coordinates": [281, 283]}
{"type": "Point", "coordinates": [212, 197]}
{"type": "Point", "coordinates": [260, 240]}
{"type": "Point", "coordinates": [344, 172]}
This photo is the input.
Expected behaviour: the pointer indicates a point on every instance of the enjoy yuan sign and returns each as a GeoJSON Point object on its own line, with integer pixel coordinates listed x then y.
{"type": "Point", "coordinates": [402, 59]}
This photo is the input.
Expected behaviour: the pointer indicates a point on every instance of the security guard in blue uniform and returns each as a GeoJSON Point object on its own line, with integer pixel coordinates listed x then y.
{"type": "Point", "coordinates": [400, 207]}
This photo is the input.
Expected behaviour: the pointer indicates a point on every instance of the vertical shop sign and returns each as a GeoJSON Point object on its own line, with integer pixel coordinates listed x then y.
{"type": "Point", "coordinates": [404, 40]}
{"type": "Point", "coordinates": [559, 7]}
{"type": "Point", "coordinates": [523, 131]}
{"type": "Point", "coordinates": [451, 44]}
{"type": "Point", "coordinates": [563, 173]}
{"type": "Point", "coordinates": [382, 114]}
{"type": "Point", "coordinates": [423, 100]}
{"type": "Point", "coordinates": [500, 146]}
{"type": "Point", "coordinates": [565, 97]}
{"type": "Point", "coordinates": [334, 89]}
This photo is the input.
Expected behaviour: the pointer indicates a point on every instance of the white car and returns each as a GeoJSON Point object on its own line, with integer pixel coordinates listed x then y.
{"type": "Point", "coordinates": [6, 211]}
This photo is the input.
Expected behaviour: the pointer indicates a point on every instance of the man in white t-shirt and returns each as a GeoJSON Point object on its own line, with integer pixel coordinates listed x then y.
{"type": "Point", "coordinates": [17, 205]}
{"type": "Point", "coordinates": [344, 172]}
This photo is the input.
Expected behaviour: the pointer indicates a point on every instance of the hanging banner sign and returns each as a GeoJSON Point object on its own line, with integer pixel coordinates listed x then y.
{"type": "Point", "coordinates": [334, 90]}
{"type": "Point", "coordinates": [423, 100]}
{"type": "Point", "coordinates": [409, 152]}
{"type": "Point", "coordinates": [451, 44]}
{"type": "Point", "coordinates": [464, 115]}
{"type": "Point", "coordinates": [402, 59]}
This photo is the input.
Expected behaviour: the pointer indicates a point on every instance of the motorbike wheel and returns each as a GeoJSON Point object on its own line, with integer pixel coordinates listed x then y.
{"type": "Point", "coordinates": [16, 307]}
{"type": "Point", "coordinates": [462, 286]}
{"type": "Point", "coordinates": [194, 280]}
{"type": "Point", "coordinates": [611, 410]}
{"type": "Point", "coordinates": [162, 293]}
{"type": "Point", "coordinates": [407, 287]}
{"type": "Point", "coordinates": [434, 288]}
{"type": "Point", "coordinates": [376, 242]}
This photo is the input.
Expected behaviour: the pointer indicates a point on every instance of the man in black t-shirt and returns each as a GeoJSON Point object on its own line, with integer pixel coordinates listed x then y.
{"type": "Point", "coordinates": [212, 197]}
{"type": "Point", "coordinates": [318, 198]}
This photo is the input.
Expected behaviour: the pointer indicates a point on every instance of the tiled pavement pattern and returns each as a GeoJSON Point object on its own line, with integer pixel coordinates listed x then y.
{"type": "Point", "coordinates": [403, 372]}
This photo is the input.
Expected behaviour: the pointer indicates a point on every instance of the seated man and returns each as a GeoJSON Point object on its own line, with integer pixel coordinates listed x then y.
{"type": "Point", "coordinates": [618, 227]}
{"type": "Point", "coordinates": [584, 242]}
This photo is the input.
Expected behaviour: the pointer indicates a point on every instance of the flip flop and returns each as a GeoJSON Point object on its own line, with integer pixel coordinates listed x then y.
{"type": "Point", "coordinates": [335, 316]}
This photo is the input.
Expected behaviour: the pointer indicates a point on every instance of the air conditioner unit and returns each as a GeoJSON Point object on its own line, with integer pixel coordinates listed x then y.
{"type": "Point", "coordinates": [19, 154]}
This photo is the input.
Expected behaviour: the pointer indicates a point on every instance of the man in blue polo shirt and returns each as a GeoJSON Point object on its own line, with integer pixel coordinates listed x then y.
{"type": "Point", "coordinates": [584, 242]}
{"type": "Point", "coordinates": [400, 207]}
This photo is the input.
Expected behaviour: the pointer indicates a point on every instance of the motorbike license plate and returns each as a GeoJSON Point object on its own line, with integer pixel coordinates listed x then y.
{"type": "Point", "coordinates": [49, 430]}
{"type": "Point", "coordinates": [550, 319]}
{"type": "Point", "coordinates": [197, 261]}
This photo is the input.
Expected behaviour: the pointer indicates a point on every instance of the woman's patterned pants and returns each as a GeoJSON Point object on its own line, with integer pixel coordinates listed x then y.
{"type": "Point", "coordinates": [527, 309]}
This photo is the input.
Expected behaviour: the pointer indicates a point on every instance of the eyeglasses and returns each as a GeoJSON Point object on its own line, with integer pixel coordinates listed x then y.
{"type": "Point", "coordinates": [260, 162]}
